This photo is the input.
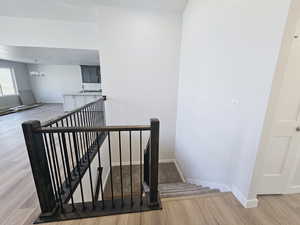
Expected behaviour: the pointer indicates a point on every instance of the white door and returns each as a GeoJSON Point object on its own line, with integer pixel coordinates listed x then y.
{"type": "Point", "coordinates": [281, 172]}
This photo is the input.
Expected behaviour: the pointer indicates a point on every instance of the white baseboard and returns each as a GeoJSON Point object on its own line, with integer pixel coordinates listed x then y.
{"type": "Point", "coordinates": [247, 203]}
{"type": "Point", "coordinates": [127, 163]}
{"type": "Point", "coordinates": [212, 185]}
{"type": "Point", "coordinates": [166, 160]}
{"type": "Point", "coordinates": [293, 189]}
{"type": "Point", "coordinates": [179, 170]}
{"type": "Point", "coordinates": [106, 178]}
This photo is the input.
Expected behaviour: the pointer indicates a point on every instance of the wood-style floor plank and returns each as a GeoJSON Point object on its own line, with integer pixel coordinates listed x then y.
{"type": "Point", "coordinates": [18, 199]}
{"type": "Point", "coordinates": [219, 209]}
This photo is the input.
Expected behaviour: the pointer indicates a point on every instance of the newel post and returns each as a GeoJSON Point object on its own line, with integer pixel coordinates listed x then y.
{"type": "Point", "coordinates": [39, 166]}
{"type": "Point", "coordinates": [154, 157]}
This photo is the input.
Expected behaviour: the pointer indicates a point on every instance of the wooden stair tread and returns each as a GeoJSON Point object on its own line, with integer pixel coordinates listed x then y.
{"type": "Point", "coordinates": [183, 189]}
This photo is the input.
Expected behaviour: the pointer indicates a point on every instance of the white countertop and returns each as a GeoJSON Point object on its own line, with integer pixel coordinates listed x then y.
{"type": "Point", "coordinates": [83, 94]}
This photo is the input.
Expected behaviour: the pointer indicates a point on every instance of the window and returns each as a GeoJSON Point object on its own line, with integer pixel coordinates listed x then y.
{"type": "Point", "coordinates": [90, 74]}
{"type": "Point", "coordinates": [7, 82]}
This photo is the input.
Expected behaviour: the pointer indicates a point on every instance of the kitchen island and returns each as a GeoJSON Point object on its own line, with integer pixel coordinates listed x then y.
{"type": "Point", "coordinates": [73, 101]}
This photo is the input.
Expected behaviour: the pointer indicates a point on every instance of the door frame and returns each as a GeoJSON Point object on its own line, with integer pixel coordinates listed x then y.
{"type": "Point", "coordinates": [286, 44]}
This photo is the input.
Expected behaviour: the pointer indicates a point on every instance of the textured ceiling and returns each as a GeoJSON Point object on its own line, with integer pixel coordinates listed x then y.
{"type": "Point", "coordinates": [80, 10]}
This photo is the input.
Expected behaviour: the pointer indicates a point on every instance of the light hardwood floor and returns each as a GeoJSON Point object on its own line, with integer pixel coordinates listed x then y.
{"type": "Point", "coordinates": [18, 199]}
{"type": "Point", "coordinates": [19, 206]}
{"type": "Point", "coordinates": [211, 209]}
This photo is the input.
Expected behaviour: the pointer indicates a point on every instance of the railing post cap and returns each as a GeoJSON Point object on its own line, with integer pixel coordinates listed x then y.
{"type": "Point", "coordinates": [154, 120]}
{"type": "Point", "coordinates": [34, 123]}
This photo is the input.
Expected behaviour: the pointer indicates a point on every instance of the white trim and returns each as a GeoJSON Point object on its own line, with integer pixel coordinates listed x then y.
{"type": "Point", "coordinates": [106, 178]}
{"type": "Point", "coordinates": [166, 160]}
{"type": "Point", "coordinates": [247, 203]}
{"type": "Point", "coordinates": [221, 187]}
{"type": "Point", "coordinates": [292, 189]}
{"type": "Point", "coordinates": [127, 163]}
{"type": "Point", "coordinates": [179, 170]}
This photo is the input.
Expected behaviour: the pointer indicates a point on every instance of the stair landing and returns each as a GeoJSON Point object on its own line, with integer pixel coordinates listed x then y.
{"type": "Point", "coordinates": [170, 182]}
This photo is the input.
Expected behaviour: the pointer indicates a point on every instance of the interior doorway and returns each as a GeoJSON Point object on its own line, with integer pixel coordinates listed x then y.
{"type": "Point", "coordinates": [281, 167]}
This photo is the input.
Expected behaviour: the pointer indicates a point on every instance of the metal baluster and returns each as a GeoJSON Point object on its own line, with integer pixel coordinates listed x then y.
{"type": "Point", "coordinates": [90, 124]}
{"type": "Point", "coordinates": [141, 167]}
{"type": "Point", "coordinates": [121, 174]}
{"type": "Point", "coordinates": [51, 166]}
{"type": "Point", "coordinates": [68, 167]}
{"type": "Point", "coordinates": [72, 125]}
{"type": "Point", "coordinates": [130, 152]}
{"type": "Point", "coordinates": [76, 125]}
{"type": "Point", "coordinates": [83, 140]}
{"type": "Point", "coordinates": [92, 115]}
{"type": "Point", "coordinates": [57, 170]}
{"type": "Point", "coordinates": [100, 168]}
{"type": "Point", "coordinates": [80, 136]}
{"type": "Point", "coordinates": [53, 147]}
{"type": "Point", "coordinates": [95, 114]}
{"type": "Point", "coordinates": [98, 113]}
{"type": "Point", "coordinates": [91, 181]}
{"type": "Point", "coordinates": [110, 166]}
{"type": "Point", "coordinates": [54, 164]}
{"type": "Point", "coordinates": [63, 125]}
{"type": "Point", "coordinates": [70, 146]}
{"type": "Point", "coordinates": [93, 120]}
{"type": "Point", "coordinates": [62, 156]}
{"type": "Point", "coordinates": [78, 168]}
{"type": "Point", "coordinates": [86, 124]}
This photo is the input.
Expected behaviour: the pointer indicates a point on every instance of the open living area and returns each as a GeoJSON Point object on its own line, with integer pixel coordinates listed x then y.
{"type": "Point", "coordinates": [159, 112]}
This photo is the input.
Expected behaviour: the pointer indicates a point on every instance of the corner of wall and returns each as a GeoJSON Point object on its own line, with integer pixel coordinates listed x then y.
{"type": "Point", "coordinates": [247, 203]}
{"type": "Point", "coordinates": [179, 170]}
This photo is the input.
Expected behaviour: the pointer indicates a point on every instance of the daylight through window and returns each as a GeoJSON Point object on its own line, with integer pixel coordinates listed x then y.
{"type": "Point", "coordinates": [7, 84]}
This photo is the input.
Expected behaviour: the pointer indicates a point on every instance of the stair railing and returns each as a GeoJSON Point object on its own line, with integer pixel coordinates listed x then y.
{"type": "Point", "coordinates": [62, 154]}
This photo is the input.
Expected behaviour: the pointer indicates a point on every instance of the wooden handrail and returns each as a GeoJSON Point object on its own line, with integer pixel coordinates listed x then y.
{"type": "Point", "coordinates": [53, 121]}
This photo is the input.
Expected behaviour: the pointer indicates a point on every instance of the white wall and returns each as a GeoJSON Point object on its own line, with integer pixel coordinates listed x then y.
{"type": "Point", "coordinates": [48, 33]}
{"type": "Point", "coordinates": [22, 81]}
{"type": "Point", "coordinates": [57, 81]}
{"type": "Point", "coordinates": [228, 57]}
{"type": "Point", "coordinates": [139, 52]}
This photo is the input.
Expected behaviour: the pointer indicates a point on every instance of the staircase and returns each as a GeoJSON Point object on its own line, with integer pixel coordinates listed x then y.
{"type": "Point", "coordinates": [183, 189]}
{"type": "Point", "coordinates": [68, 155]}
